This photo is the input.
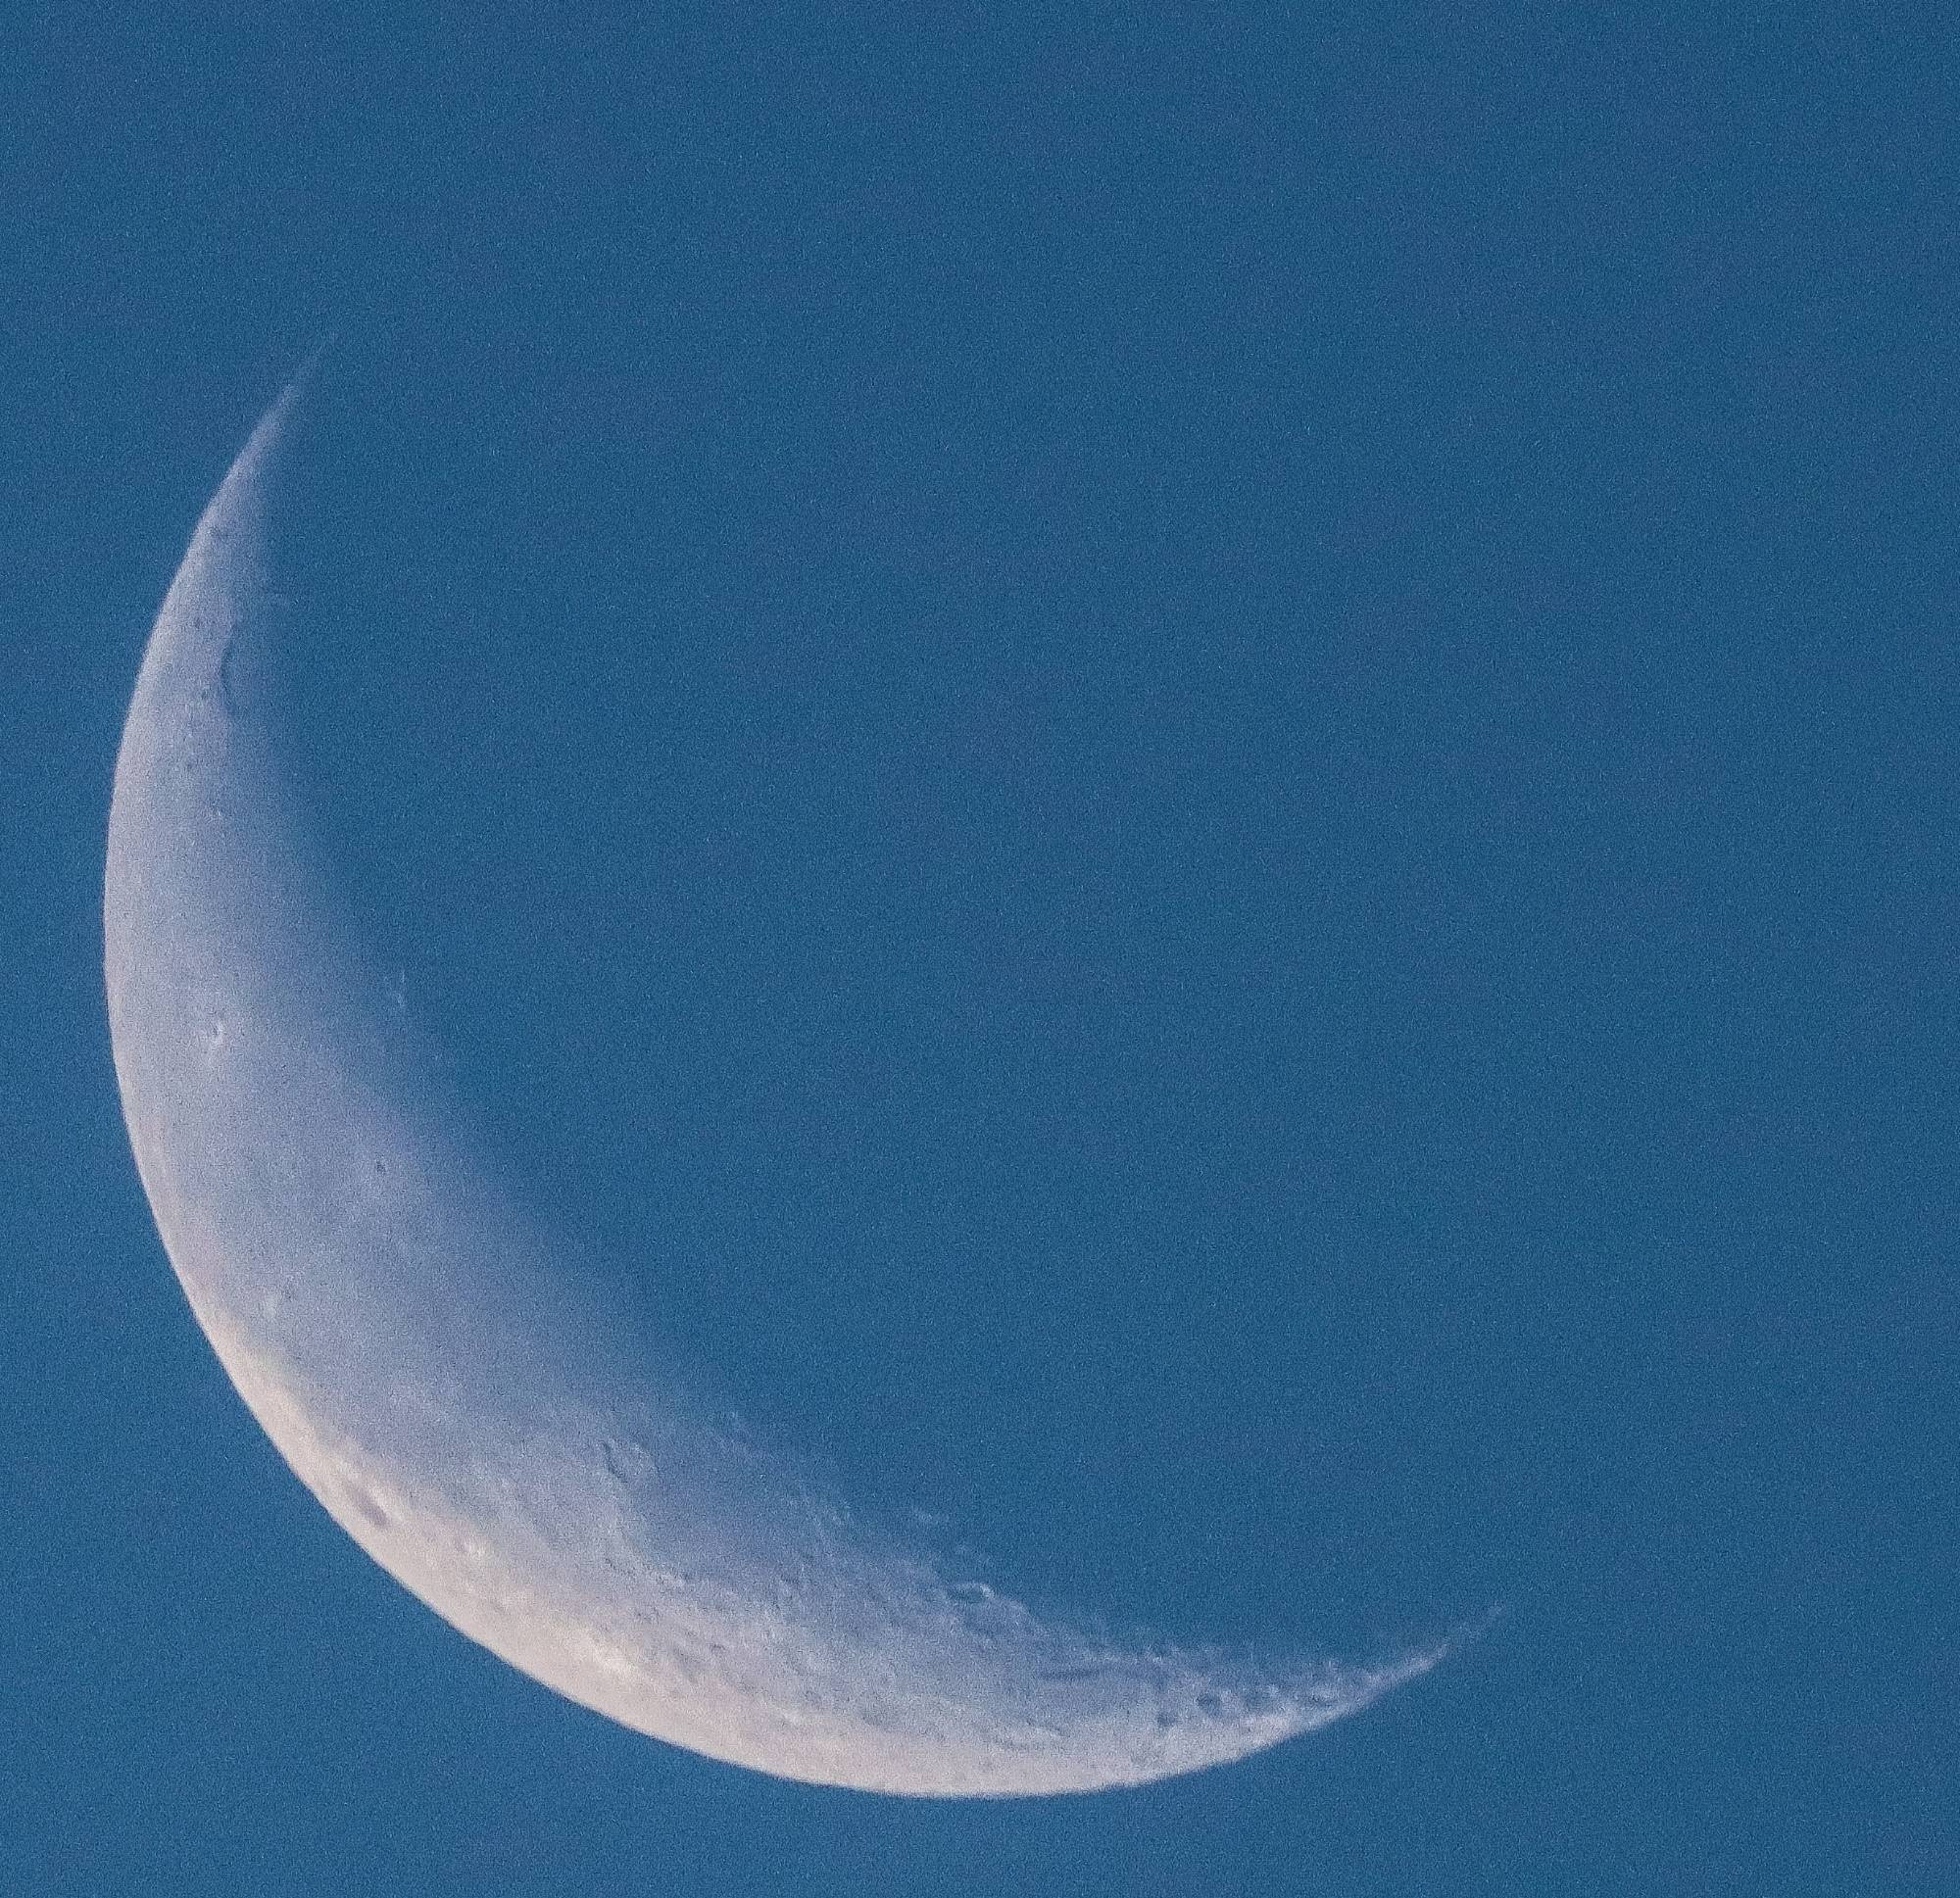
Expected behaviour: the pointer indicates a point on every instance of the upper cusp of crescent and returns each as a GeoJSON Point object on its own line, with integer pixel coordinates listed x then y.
{"type": "Point", "coordinates": [201, 671]}
{"type": "Point", "coordinates": [205, 871]}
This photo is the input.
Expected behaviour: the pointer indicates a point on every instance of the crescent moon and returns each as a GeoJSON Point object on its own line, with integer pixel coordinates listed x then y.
{"type": "Point", "coordinates": [466, 1408]}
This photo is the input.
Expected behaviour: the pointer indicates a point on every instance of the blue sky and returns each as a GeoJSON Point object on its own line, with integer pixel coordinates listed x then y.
{"type": "Point", "coordinates": [1198, 771]}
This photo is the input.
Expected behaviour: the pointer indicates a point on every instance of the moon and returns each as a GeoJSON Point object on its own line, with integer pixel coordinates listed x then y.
{"type": "Point", "coordinates": [469, 1409]}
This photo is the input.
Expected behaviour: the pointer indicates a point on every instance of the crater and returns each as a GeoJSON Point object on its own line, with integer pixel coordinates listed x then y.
{"type": "Point", "coordinates": [371, 1508]}
{"type": "Point", "coordinates": [227, 679]}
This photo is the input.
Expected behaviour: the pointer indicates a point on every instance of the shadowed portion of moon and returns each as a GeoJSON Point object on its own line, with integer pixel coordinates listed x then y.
{"type": "Point", "coordinates": [467, 1405]}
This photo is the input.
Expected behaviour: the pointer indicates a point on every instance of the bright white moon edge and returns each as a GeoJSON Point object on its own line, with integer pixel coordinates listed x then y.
{"type": "Point", "coordinates": [393, 1319]}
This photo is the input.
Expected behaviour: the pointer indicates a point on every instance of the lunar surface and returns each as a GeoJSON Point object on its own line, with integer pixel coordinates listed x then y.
{"type": "Point", "coordinates": [468, 1409]}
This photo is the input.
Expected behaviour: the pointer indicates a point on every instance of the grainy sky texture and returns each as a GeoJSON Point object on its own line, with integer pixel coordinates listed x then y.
{"type": "Point", "coordinates": [1197, 772]}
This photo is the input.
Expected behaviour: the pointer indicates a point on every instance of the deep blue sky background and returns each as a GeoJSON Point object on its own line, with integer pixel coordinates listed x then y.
{"type": "Point", "coordinates": [1197, 766]}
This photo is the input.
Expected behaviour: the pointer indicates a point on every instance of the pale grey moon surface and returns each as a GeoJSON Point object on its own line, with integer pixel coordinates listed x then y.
{"type": "Point", "coordinates": [469, 1410]}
